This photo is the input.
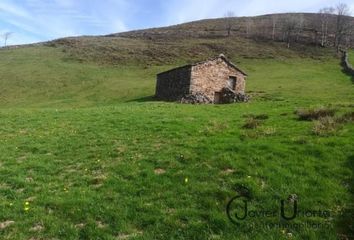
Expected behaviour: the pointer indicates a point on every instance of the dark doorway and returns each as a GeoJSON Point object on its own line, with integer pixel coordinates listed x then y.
{"type": "Point", "coordinates": [217, 97]}
{"type": "Point", "coordinates": [232, 83]}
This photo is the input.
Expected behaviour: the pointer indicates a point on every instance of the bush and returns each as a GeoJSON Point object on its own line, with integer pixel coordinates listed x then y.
{"type": "Point", "coordinates": [315, 113]}
{"type": "Point", "coordinates": [346, 118]}
{"type": "Point", "coordinates": [325, 126]}
{"type": "Point", "coordinates": [252, 123]}
{"type": "Point", "coordinates": [269, 131]}
{"type": "Point", "coordinates": [262, 116]}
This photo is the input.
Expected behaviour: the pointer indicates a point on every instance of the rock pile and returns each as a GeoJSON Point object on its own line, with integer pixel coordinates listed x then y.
{"type": "Point", "coordinates": [227, 96]}
{"type": "Point", "coordinates": [196, 98]}
{"type": "Point", "coordinates": [230, 96]}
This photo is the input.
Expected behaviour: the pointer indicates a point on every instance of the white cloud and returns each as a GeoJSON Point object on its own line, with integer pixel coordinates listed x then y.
{"type": "Point", "coordinates": [8, 8]}
{"type": "Point", "coordinates": [352, 9]}
{"type": "Point", "coordinates": [19, 38]}
{"type": "Point", "coordinates": [118, 26]}
{"type": "Point", "coordinates": [61, 18]}
{"type": "Point", "coordinates": [24, 26]}
{"type": "Point", "coordinates": [179, 11]}
{"type": "Point", "coordinates": [65, 3]}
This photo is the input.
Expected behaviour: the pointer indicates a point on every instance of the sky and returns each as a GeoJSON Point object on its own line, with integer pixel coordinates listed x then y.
{"type": "Point", "coordinates": [32, 21]}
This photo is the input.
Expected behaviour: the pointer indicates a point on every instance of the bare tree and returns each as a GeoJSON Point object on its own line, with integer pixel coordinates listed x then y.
{"type": "Point", "coordinates": [342, 24]}
{"type": "Point", "coordinates": [324, 18]}
{"type": "Point", "coordinates": [260, 28]}
{"type": "Point", "coordinates": [249, 26]}
{"type": "Point", "coordinates": [289, 27]}
{"type": "Point", "coordinates": [228, 20]}
{"type": "Point", "coordinates": [274, 26]}
{"type": "Point", "coordinates": [299, 26]}
{"type": "Point", "coordinates": [6, 36]}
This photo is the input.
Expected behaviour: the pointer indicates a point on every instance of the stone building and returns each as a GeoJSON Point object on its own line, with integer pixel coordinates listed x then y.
{"type": "Point", "coordinates": [216, 80]}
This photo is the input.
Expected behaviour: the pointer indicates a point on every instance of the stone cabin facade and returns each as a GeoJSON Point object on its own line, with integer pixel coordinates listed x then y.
{"type": "Point", "coordinates": [216, 80]}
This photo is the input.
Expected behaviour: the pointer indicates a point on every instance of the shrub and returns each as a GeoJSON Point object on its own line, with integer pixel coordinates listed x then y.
{"type": "Point", "coordinates": [346, 118]}
{"type": "Point", "coordinates": [252, 123]}
{"type": "Point", "coordinates": [258, 117]}
{"type": "Point", "coordinates": [269, 131]}
{"type": "Point", "coordinates": [215, 127]}
{"type": "Point", "coordinates": [261, 116]}
{"type": "Point", "coordinates": [325, 126]}
{"type": "Point", "coordinates": [315, 113]}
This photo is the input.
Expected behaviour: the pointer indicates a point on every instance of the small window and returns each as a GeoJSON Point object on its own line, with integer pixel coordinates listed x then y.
{"type": "Point", "coordinates": [232, 83]}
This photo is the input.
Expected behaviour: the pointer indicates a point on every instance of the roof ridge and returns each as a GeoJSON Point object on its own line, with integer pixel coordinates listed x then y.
{"type": "Point", "coordinates": [222, 56]}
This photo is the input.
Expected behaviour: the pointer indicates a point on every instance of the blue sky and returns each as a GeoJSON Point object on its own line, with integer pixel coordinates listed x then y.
{"type": "Point", "coordinates": [40, 20]}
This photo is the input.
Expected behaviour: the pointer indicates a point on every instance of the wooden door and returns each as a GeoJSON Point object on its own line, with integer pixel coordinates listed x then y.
{"type": "Point", "coordinates": [217, 97]}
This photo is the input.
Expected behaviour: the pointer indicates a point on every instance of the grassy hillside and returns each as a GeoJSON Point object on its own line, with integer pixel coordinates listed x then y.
{"type": "Point", "coordinates": [43, 76]}
{"type": "Point", "coordinates": [308, 28]}
{"type": "Point", "coordinates": [146, 52]}
{"type": "Point", "coordinates": [351, 57]}
{"type": "Point", "coordinates": [50, 77]}
{"type": "Point", "coordinates": [86, 154]}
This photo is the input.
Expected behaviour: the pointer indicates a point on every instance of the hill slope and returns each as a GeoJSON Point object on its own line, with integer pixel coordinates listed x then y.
{"type": "Point", "coordinates": [250, 37]}
{"type": "Point", "coordinates": [85, 71]}
{"type": "Point", "coordinates": [86, 154]}
{"type": "Point", "coordinates": [262, 26]}
{"type": "Point", "coordinates": [46, 76]}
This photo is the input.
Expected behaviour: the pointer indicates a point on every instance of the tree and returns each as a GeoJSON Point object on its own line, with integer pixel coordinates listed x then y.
{"type": "Point", "coordinates": [249, 25]}
{"type": "Point", "coordinates": [289, 27]}
{"type": "Point", "coordinates": [342, 24]}
{"type": "Point", "coordinates": [6, 36]}
{"type": "Point", "coordinates": [299, 26]}
{"type": "Point", "coordinates": [324, 18]}
{"type": "Point", "coordinates": [274, 25]}
{"type": "Point", "coordinates": [228, 20]}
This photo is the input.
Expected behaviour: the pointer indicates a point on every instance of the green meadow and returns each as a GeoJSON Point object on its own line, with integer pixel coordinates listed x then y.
{"type": "Point", "coordinates": [351, 56]}
{"type": "Point", "coordinates": [86, 153]}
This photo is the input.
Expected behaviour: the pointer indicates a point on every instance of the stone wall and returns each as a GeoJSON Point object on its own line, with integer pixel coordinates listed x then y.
{"type": "Point", "coordinates": [173, 85]}
{"type": "Point", "coordinates": [212, 76]}
{"type": "Point", "coordinates": [346, 64]}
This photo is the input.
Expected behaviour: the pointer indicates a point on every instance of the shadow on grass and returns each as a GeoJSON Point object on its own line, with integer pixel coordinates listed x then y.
{"type": "Point", "coordinates": [144, 99]}
{"type": "Point", "coordinates": [348, 74]}
{"type": "Point", "coordinates": [345, 224]}
{"type": "Point", "coordinates": [347, 68]}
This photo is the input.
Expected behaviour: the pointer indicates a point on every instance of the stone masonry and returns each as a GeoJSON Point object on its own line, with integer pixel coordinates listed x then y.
{"type": "Point", "coordinates": [213, 81]}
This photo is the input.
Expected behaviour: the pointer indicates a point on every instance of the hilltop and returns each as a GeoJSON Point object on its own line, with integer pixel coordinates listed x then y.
{"type": "Point", "coordinates": [259, 27]}
{"type": "Point", "coordinates": [245, 37]}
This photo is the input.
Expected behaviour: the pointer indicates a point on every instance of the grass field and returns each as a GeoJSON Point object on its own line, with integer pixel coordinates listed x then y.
{"type": "Point", "coordinates": [351, 56]}
{"type": "Point", "coordinates": [85, 154]}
